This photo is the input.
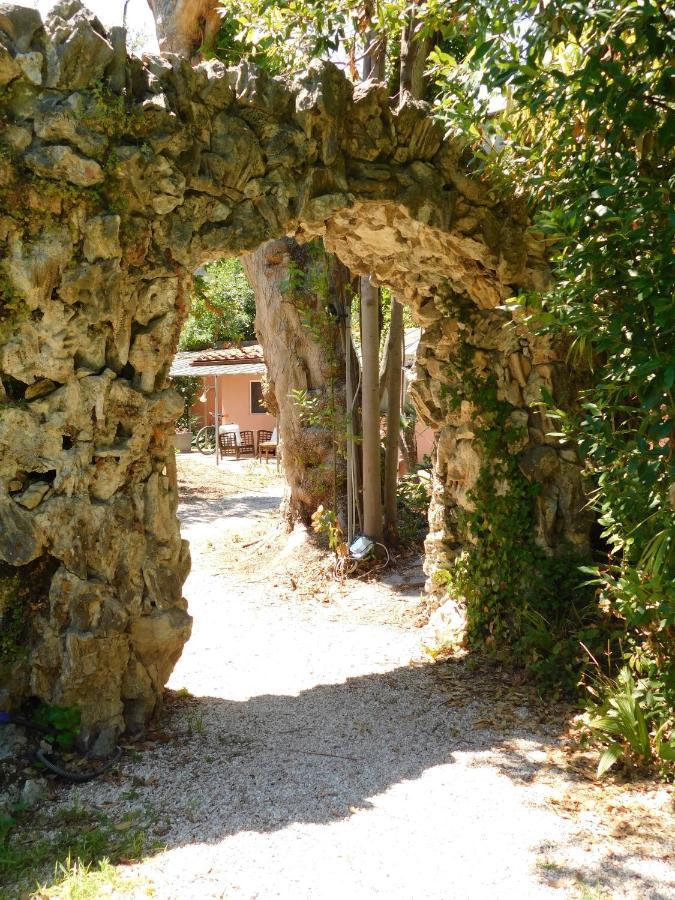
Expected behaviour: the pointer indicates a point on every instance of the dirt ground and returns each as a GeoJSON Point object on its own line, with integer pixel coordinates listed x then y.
{"type": "Point", "coordinates": [309, 748]}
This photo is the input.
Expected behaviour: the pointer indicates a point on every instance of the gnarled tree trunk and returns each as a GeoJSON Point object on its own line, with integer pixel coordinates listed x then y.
{"type": "Point", "coordinates": [305, 360]}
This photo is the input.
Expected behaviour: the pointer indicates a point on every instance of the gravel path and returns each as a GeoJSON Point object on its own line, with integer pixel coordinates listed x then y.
{"type": "Point", "coordinates": [317, 755]}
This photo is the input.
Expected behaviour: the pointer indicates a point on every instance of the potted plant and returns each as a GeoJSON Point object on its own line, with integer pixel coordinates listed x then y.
{"type": "Point", "coordinates": [188, 387]}
{"type": "Point", "coordinates": [182, 440]}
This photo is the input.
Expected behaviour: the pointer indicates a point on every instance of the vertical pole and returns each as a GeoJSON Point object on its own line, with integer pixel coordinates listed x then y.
{"type": "Point", "coordinates": [348, 410]}
{"type": "Point", "coordinates": [216, 416]}
{"type": "Point", "coordinates": [370, 399]}
{"type": "Point", "coordinates": [393, 418]}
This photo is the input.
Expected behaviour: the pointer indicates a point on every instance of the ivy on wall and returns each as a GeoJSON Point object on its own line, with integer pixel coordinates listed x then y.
{"type": "Point", "coordinates": [522, 604]}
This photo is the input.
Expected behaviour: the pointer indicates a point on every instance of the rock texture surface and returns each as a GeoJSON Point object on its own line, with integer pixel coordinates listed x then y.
{"type": "Point", "coordinates": [118, 176]}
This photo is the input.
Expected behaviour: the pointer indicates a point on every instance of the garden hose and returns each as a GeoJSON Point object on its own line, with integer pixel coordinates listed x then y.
{"type": "Point", "coordinates": [78, 777]}
{"type": "Point", "coordinates": [40, 755]}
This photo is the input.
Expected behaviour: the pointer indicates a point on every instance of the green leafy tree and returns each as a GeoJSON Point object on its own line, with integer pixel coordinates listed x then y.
{"type": "Point", "coordinates": [571, 103]}
{"type": "Point", "coordinates": [189, 387]}
{"type": "Point", "coordinates": [283, 37]}
{"type": "Point", "coordinates": [223, 307]}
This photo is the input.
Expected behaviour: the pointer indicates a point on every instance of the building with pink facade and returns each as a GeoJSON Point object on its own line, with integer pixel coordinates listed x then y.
{"type": "Point", "coordinates": [232, 387]}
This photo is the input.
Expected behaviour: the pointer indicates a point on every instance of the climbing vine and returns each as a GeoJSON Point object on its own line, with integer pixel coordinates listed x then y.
{"type": "Point", "coordinates": [522, 604]}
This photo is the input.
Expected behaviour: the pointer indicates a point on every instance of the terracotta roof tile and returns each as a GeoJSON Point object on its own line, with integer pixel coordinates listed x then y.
{"type": "Point", "coordinates": [234, 354]}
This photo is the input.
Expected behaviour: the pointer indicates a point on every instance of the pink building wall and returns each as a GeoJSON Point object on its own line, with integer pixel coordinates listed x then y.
{"type": "Point", "coordinates": [234, 395]}
{"type": "Point", "coordinates": [425, 437]}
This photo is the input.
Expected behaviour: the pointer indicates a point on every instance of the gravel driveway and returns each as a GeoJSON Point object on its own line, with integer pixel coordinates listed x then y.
{"type": "Point", "coordinates": [314, 753]}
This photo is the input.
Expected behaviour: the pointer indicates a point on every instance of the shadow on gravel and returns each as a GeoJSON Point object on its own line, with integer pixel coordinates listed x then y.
{"type": "Point", "coordinates": [195, 510]}
{"type": "Point", "coordinates": [318, 757]}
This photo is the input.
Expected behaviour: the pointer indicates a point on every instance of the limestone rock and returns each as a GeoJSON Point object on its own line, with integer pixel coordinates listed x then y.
{"type": "Point", "coordinates": [80, 52]}
{"type": "Point", "coordinates": [33, 792]}
{"type": "Point", "coordinates": [20, 539]}
{"type": "Point", "coordinates": [61, 162]}
{"type": "Point", "coordinates": [102, 238]}
{"type": "Point", "coordinates": [61, 119]}
{"type": "Point", "coordinates": [31, 65]}
{"type": "Point", "coordinates": [9, 68]}
{"type": "Point", "coordinates": [21, 24]}
{"type": "Point", "coordinates": [34, 267]}
{"type": "Point", "coordinates": [34, 494]}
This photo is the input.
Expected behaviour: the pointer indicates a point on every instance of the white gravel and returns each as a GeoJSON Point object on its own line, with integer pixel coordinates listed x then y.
{"type": "Point", "coordinates": [320, 757]}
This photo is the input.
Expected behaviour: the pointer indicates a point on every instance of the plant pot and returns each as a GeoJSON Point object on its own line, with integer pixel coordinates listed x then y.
{"type": "Point", "coordinates": [182, 441]}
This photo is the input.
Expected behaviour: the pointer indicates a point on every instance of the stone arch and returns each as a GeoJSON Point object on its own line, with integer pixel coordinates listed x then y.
{"type": "Point", "coordinates": [117, 177]}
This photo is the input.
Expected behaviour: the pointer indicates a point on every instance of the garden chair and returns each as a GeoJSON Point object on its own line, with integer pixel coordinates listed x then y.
{"type": "Point", "coordinates": [228, 444]}
{"type": "Point", "coordinates": [267, 444]}
{"type": "Point", "coordinates": [246, 445]}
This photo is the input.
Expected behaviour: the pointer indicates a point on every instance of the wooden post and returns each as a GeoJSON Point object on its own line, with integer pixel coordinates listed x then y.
{"type": "Point", "coordinates": [394, 377]}
{"type": "Point", "coordinates": [370, 399]}
{"type": "Point", "coordinates": [216, 416]}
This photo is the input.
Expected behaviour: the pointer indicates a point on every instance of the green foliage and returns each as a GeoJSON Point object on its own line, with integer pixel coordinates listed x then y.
{"type": "Point", "coordinates": [37, 847]}
{"type": "Point", "coordinates": [521, 603]}
{"type": "Point", "coordinates": [633, 718]}
{"type": "Point", "coordinates": [111, 113]}
{"type": "Point", "coordinates": [23, 593]}
{"type": "Point", "coordinates": [12, 617]}
{"type": "Point", "coordinates": [12, 305]}
{"type": "Point", "coordinates": [189, 387]}
{"type": "Point", "coordinates": [62, 724]}
{"type": "Point", "coordinates": [412, 495]}
{"type": "Point", "coordinates": [324, 521]}
{"type": "Point", "coordinates": [314, 407]}
{"type": "Point", "coordinates": [284, 37]}
{"type": "Point", "coordinates": [586, 129]}
{"type": "Point", "coordinates": [223, 307]}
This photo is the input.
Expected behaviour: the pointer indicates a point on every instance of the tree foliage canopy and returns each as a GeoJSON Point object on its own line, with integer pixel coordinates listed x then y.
{"type": "Point", "coordinates": [223, 307]}
{"type": "Point", "coordinates": [586, 131]}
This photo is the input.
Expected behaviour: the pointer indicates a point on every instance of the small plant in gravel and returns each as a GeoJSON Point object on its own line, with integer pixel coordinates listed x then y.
{"type": "Point", "coordinates": [43, 851]}
{"type": "Point", "coordinates": [631, 716]}
{"type": "Point", "coordinates": [74, 880]}
{"type": "Point", "coordinates": [324, 521]}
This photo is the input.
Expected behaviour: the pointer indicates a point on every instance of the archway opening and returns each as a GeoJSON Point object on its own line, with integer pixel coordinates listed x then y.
{"type": "Point", "coordinates": [119, 178]}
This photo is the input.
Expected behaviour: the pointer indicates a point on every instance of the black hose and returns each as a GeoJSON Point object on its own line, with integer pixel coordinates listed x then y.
{"type": "Point", "coordinates": [41, 756]}
{"type": "Point", "coordinates": [11, 719]}
{"type": "Point", "coordinates": [77, 777]}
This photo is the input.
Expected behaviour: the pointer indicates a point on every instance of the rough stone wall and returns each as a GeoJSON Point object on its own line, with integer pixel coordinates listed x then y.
{"type": "Point", "coordinates": [118, 176]}
{"type": "Point", "coordinates": [524, 366]}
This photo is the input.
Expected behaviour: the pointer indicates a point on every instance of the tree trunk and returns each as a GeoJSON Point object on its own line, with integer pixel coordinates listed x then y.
{"type": "Point", "coordinates": [414, 53]}
{"type": "Point", "coordinates": [394, 375]}
{"type": "Point", "coordinates": [300, 359]}
{"type": "Point", "coordinates": [370, 402]}
{"type": "Point", "coordinates": [374, 57]}
{"type": "Point", "coordinates": [183, 26]}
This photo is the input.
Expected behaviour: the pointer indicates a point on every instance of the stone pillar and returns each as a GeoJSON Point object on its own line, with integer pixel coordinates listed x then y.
{"type": "Point", "coordinates": [459, 343]}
